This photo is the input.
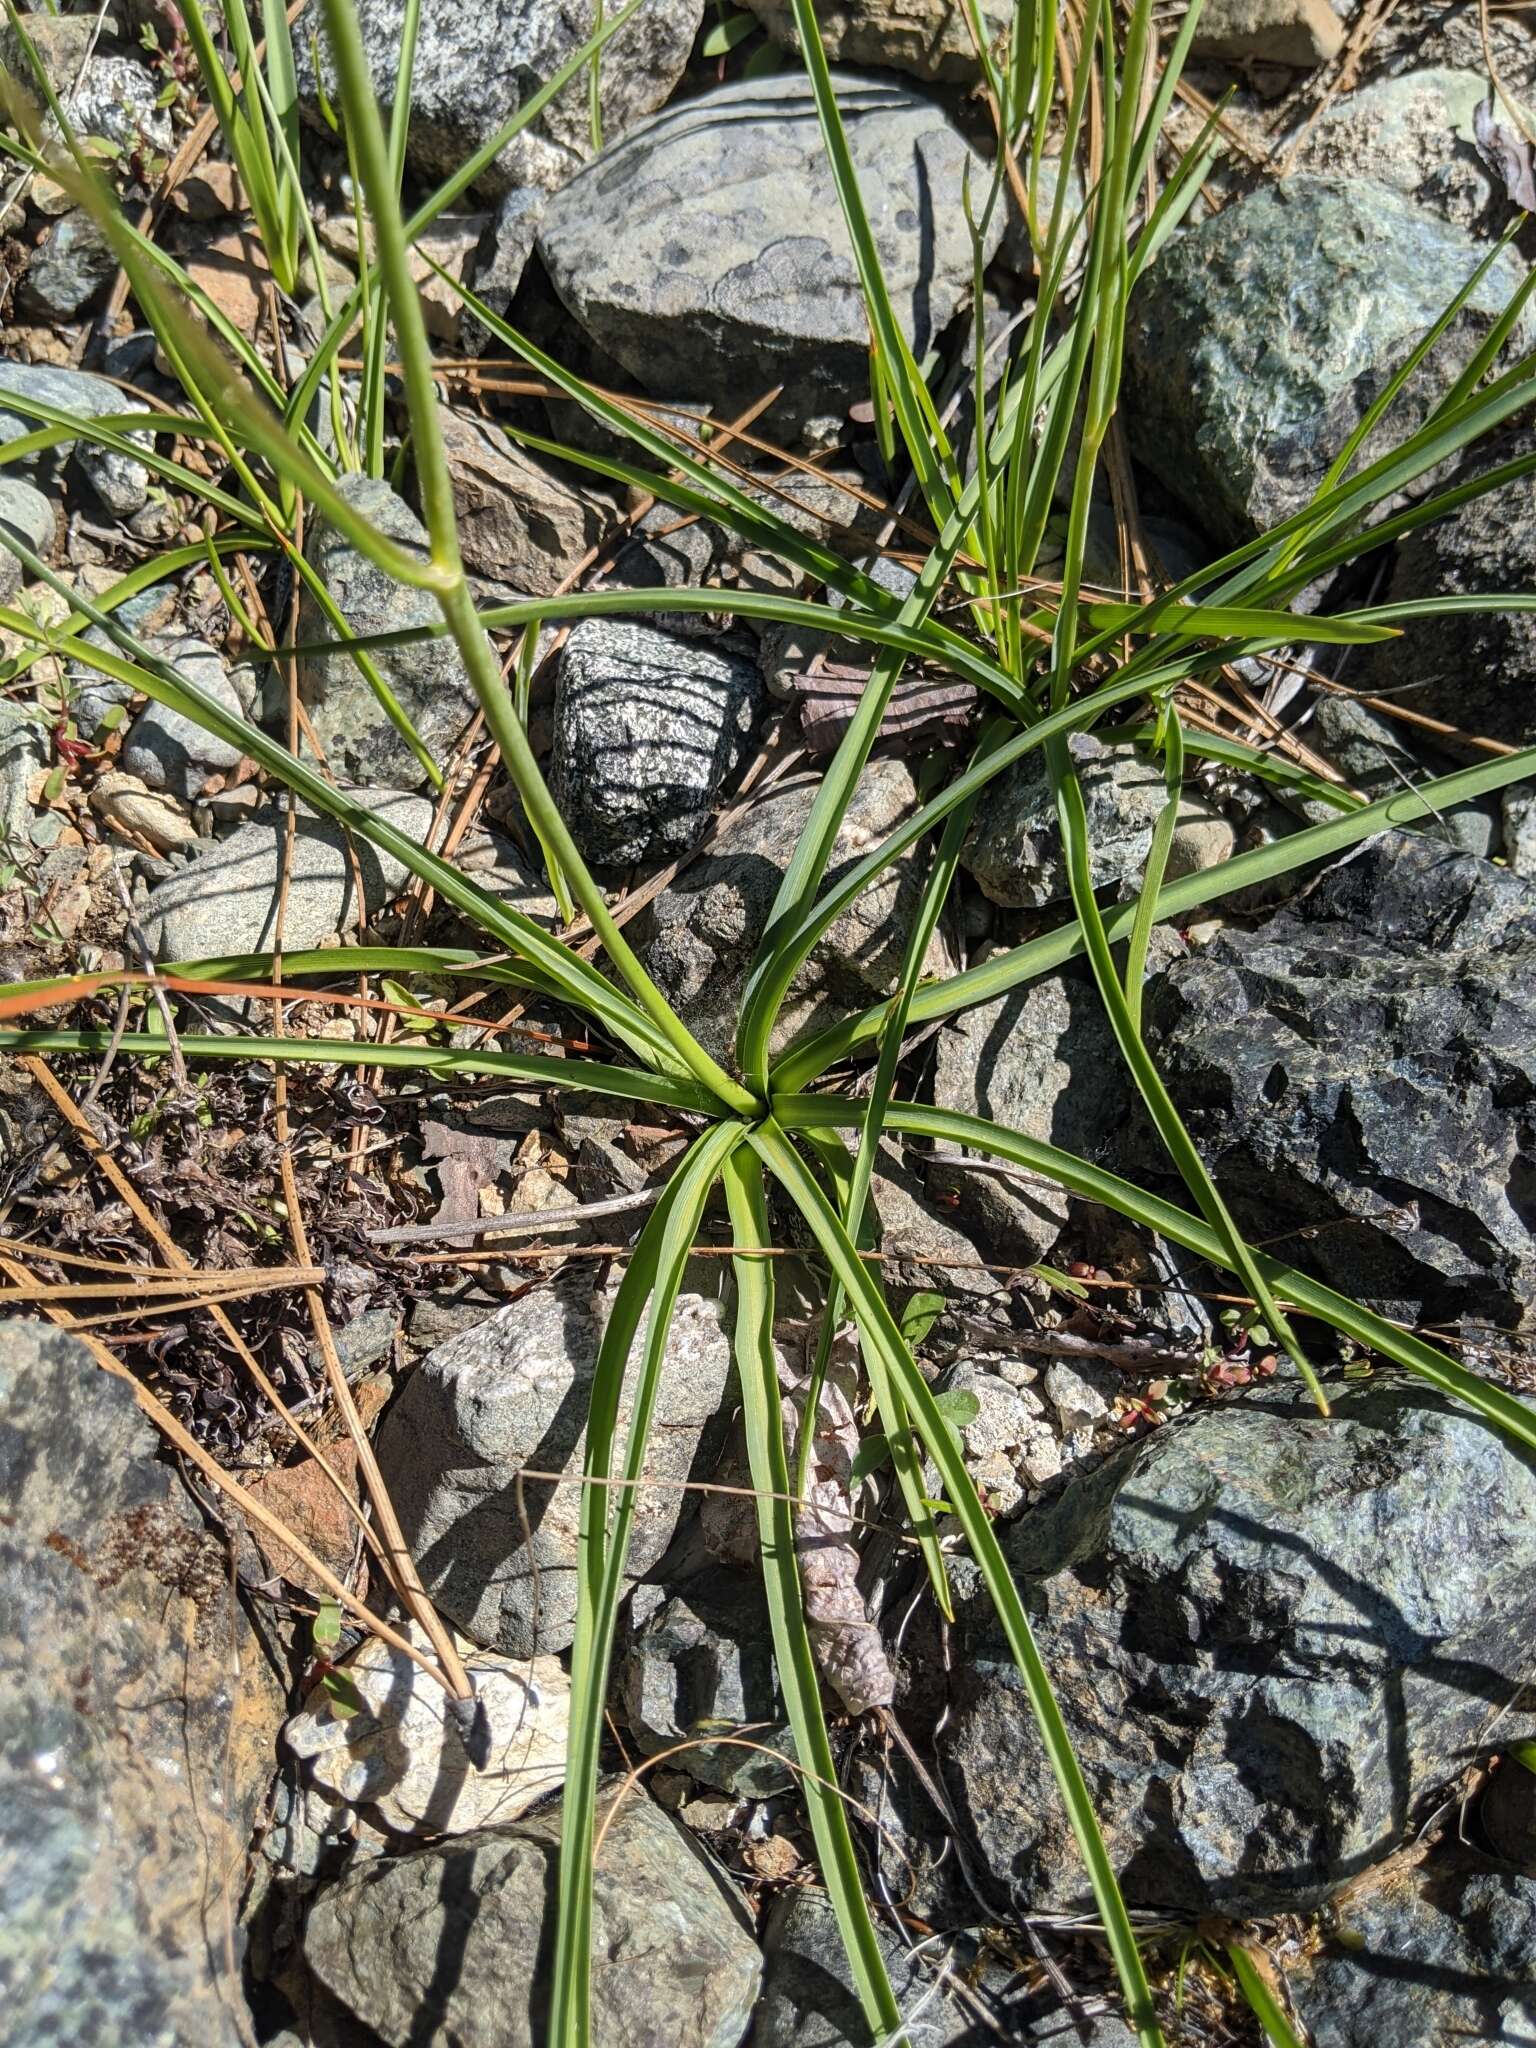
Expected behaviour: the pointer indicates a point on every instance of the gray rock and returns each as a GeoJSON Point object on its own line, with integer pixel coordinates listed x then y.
{"type": "Point", "coordinates": [500, 261]}
{"type": "Point", "coordinates": [703, 1660]}
{"type": "Point", "coordinates": [93, 696]}
{"type": "Point", "coordinates": [699, 936]}
{"type": "Point", "coordinates": [121, 483]}
{"type": "Point", "coordinates": [649, 733]}
{"type": "Point", "coordinates": [1519, 823]}
{"type": "Point", "coordinates": [673, 1957]}
{"type": "Point", "coordinates": [512, 1392]}
{"type": "Point", "coordinates": [70, 268]}
{"type": "Point", "coordinates": [475, 66]}
{"type": "Point", "coordinates": [1413, 133]}
{"type": "Point", "coordinates": [707, 250]}
{"type": "Point", "coordinates": [137, 1720]}
{"type": "Point", "coordinates": [1041, 1060]}
{"type": "Point", "coordinates": [1013, 850]}
{"type": "Point", "coordinates": [520, 523]}
{"type": "Point", "coordinates": [928, 38]}
{"type": "Point", "coordinates": [923, 1246]}
{"type": "Point", "coordinates": [665, 554]}
{"type": "Point", "coordinates": [1366, 1061]}
{"type": "Point", "coordinates": [225, 899]}
{"type": "Point", "coordinates": [1258, 339]}
{"type": "Point", "coordinates": [1368, 750]}
{"type": "Point", "coordinates": [1364, 745]}
{"type": "Point", "coordinates": [23, 755]}
{"type": "Point", "coordinates": [1446, 1954]}
{"type": "Point", "coordinates": [1300, 33]}
{"type": "Point", "coordinates": [429, 680]}
{"type": "Point", "coordinates": [1273, 1637]}
{"type": "Point", "coordinates": [27, 513]}
{"type": "Point", "coordinates": [168, 750]}
{"type": "Point", "coordinates": [809, 2000]}
{"type": "Point", "coordinates": [500, 869]}
{"type": "Point", "coordinates": [1474, 670]}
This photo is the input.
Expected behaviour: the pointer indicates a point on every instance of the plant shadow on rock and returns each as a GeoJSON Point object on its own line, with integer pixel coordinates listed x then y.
{"type": "Point", "coordinates": [1275, 1636]}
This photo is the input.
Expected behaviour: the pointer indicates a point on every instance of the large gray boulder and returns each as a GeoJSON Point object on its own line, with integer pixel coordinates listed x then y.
{"type": "Point", "coordinates": [649, 732]}
{"type": "Point", "coordinates": [429, 680]}
{"type": "Point", "coordinates": [1273, 1637]}
{"type": "Point", "coordinates": [707, 251]}
{"type": "Point", "coordinates": [137, 1721]}
{"type": "Point", "coordinates": [1362, 1068]}
{"type": "Point", "coordinates": [1446, 1953]}
{"type": "Point", "coordinates": [121, 483]}
{"type": "Point", "coordinates": [475, 66]}
{"type": "Point", "coordinates": [499, 1557]}
{"type": "Point", "coordinates": [1473, 670]}
{"type": "Point", "coordinates": [673, 1959]}
{"type": "Point", "coordinates": [1257, 341]}
{"type": "Point", "coordinates": [105, 92]}
{"type": "Point", "coordinates": [699, 937]}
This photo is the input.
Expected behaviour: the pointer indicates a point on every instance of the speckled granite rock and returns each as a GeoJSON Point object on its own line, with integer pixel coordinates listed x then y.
{"type": "Point", "coordinates": [475, 66]}
{"type": "Point", "coordinates": [649, 731]}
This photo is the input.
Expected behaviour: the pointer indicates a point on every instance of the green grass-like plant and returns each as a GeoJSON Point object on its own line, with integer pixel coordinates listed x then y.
{"type": "Point", "coordinates": [1049, 664]}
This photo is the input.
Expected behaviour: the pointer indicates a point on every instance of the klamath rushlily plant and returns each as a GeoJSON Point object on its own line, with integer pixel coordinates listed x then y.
{"type": "Point", "coordinates": [1049, 660]}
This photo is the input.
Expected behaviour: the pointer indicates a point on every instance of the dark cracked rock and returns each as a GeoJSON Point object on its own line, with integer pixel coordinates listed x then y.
{"type": "Point", "coordinates": [1475, 670]}
{"type": "Point", "coordinates": [452, 1943]}
{"type": "Point", "coordinates": [1433, 1956]}
{"type": "Point", "coordinates": [707, 251]}
{"type": "Point", "coordinates": [1366, 1062]}
{"type": "Point", "coordinates": [1258, 340]}
{"type": "Point", "coordinates": [701, 1662]}
{"type": "Point", "coordinates": [649, 732]}
{"type": "Point", "coordinates": [1273, 1636]}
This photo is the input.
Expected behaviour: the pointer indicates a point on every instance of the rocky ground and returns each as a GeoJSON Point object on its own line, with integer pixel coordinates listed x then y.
{"type": "Point", "coordinates": [1290, 1653]}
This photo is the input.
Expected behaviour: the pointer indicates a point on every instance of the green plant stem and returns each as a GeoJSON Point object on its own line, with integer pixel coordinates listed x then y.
{"type": "Point", "coordinates": [448, 581]}
{"type": "Point", "coordinates": [799, 1680]}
